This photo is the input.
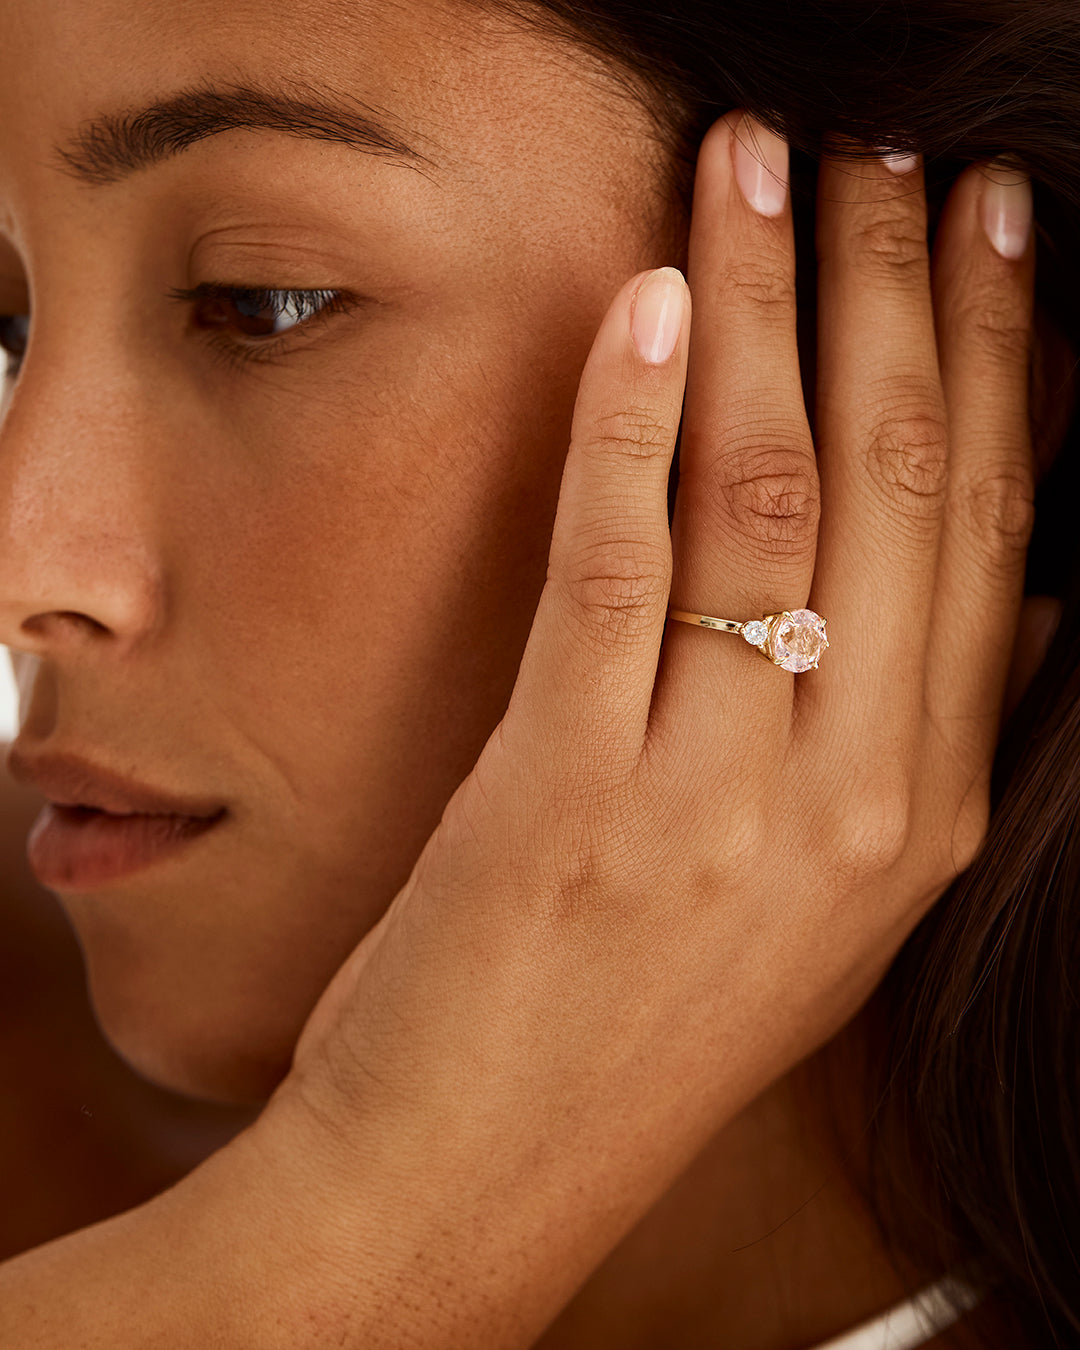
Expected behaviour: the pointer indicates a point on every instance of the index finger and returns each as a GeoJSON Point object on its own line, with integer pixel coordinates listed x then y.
{"type": "Point", "coordinates": [589, 666]}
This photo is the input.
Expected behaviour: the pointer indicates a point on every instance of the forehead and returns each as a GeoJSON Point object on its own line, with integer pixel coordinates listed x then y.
{"type": "Point", "coordinates": [460, 83]}
{"type": "Point", "coordinates": [181, 38]}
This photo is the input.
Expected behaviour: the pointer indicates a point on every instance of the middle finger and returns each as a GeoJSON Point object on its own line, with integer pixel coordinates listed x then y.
{"type": "Point", "coordinates": [745, 522]}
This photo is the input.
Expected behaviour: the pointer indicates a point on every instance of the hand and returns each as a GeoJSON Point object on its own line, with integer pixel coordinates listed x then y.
{"type": "Point", "coordinates": [677, 869]}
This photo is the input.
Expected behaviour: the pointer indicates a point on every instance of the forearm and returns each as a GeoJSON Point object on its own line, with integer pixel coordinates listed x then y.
{"type": "Point", "coordinates": [237, 1256]}
{"type": "Point", "coordinates": [223, 1259]}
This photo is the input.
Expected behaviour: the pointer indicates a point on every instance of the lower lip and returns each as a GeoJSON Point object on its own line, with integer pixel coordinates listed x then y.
{"type": "Point", "coordinates": [72, 848]}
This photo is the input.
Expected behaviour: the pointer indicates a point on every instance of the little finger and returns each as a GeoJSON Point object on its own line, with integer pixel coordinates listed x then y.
{"type": "Point", "coordinates": [983, 280]}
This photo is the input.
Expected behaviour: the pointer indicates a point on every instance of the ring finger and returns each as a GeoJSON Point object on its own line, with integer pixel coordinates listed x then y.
{"type": "Point", "coordinates": [882, 440]}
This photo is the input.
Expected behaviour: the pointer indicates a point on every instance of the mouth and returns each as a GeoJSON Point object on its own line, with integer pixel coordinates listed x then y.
{"type": "Point", "coordinates": [98, 828]}
{"type": "Point", "coordinates": [77, 848]}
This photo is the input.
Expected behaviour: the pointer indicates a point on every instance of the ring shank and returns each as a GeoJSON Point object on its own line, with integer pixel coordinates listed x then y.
{"type": "Point", "coordinates": [706, 621]}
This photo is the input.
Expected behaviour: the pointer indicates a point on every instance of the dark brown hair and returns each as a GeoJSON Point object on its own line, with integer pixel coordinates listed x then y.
{"type": "Point", "coordinates": [979, 1097]}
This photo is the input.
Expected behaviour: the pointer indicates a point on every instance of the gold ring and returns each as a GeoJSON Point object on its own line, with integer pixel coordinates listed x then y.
{"type": "Point", "coordinates": [793, 639]}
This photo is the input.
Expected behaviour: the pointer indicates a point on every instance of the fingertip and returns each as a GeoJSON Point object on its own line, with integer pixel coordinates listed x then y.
{"type": "Point", "coordinates": [1006, 208]}
{"type": "Point", "coordinates": [657, 314]}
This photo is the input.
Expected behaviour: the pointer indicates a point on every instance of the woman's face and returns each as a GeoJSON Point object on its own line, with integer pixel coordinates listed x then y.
{"type": "Point", "coordinates": [280, 570]}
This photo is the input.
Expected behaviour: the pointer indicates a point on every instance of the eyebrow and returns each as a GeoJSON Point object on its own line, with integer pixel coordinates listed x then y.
{"type": "Point", "coordinates": [111, 147]}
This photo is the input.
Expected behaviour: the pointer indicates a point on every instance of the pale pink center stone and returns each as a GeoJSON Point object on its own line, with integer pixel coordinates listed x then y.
{"type": "Point", "coordinates": [798, 640]}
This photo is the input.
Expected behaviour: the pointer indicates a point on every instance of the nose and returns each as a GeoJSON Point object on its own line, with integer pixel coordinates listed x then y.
{"type": "Point", "coordinates": [77, 563]}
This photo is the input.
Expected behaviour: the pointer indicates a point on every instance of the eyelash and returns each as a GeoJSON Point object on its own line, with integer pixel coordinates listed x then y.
{"type": "Point", "coordinates": [311, 307]}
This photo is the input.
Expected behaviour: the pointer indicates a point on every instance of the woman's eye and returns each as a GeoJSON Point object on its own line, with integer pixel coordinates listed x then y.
{"type": "Point", "coordinates": [253, 313]}
{"type": "Point", "coordinates": [245, 318]}
{"type": "Point", "coordinates": [14, 335]}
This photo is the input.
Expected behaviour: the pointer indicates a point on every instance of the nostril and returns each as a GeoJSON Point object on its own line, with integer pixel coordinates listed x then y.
{"type": "Point", "coordinates": [58, 622]}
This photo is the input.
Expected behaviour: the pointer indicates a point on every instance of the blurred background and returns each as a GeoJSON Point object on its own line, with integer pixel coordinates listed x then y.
{"type": "Point", "coordinates": [7, 698]}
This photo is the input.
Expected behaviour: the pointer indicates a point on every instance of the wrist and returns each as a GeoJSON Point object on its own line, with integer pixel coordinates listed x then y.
{"type": "Point", "coordinates": [232, 1256]}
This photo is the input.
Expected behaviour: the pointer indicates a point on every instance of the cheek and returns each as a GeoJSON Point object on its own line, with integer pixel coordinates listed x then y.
{"type": "Point", "coordinates": [366, 596]}
{"type": "Point", "coordinates": [348, 607]}
{"type": "Point", "coordinates": [361, 619]}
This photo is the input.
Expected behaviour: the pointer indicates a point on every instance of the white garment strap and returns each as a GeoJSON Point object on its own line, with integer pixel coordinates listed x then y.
{"type": "Point", "coordinates": [911, 1323]}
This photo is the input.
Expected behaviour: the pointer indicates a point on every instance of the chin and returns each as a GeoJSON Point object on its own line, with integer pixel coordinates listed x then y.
{"type": "Point", "coordinates": [216, 1044]}
{"type": "Point", "coordinates": [227, 1074]}
{"type": "Point", "coordinates": [204, 978]}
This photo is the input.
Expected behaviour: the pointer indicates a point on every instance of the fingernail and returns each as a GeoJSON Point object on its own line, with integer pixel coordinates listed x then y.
{"type": "Point", "coordinates": [898, 162]}
{"type": "Point", "coordinates": [761, 166]}
{"type": "Point", "coordinates": [656, 314]}
{"type": "Point", "coordinates": [1006, 208]}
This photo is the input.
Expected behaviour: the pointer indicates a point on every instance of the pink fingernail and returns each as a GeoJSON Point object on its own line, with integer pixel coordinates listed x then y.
{"type": "Point", "coordinates": [898, 162]}
{"type": "Point", "coordinates": [761, 166]}
{"type": "Point", "coordinates": [1006, 208]}
{"type": "Point", "coordinates": [656, 314]}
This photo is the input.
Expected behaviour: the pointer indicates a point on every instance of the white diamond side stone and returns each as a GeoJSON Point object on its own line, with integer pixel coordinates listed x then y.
{"type": "Point", "coordinates": [755, 632]}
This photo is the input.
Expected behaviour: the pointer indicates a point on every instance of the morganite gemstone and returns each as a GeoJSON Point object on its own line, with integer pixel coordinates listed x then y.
{"type": "Point", "coordinates": [798, 640]}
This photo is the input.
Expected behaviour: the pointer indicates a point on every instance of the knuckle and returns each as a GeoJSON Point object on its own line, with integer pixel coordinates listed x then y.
{"type": "Point", "coordinates": [746, 843]}
{"type": "Point", "coordinates": [582, 883]}
{"type": "Point", "coordinates": [617, 588]}
{"type": "Point", "coordinates": [874, 834]}
{"type": "Point", "coordinates": [999, 509]}
{"type": "Point", "coordinates": [597, 879]}
{"type": "Point", "coordinates": [638, 432]}
{"type": "Point", "coordinates": [995, 330]}
{"type": "Point", "coordinates": [758, 284]}
{"type": "Point", "coordinates": [738, 843]}
{"type": "Point", "coordinates": [906, 456]}
{"type": "Point", "coordinates": [771, 496]}
{"type": "Point", "coordinates": [779, 509]}
{"type": "Point", "coordinates": [890, 246]}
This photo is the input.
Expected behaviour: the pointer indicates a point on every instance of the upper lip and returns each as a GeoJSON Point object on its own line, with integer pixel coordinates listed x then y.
{"type": "Point", "coordinates": [68, 780]}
